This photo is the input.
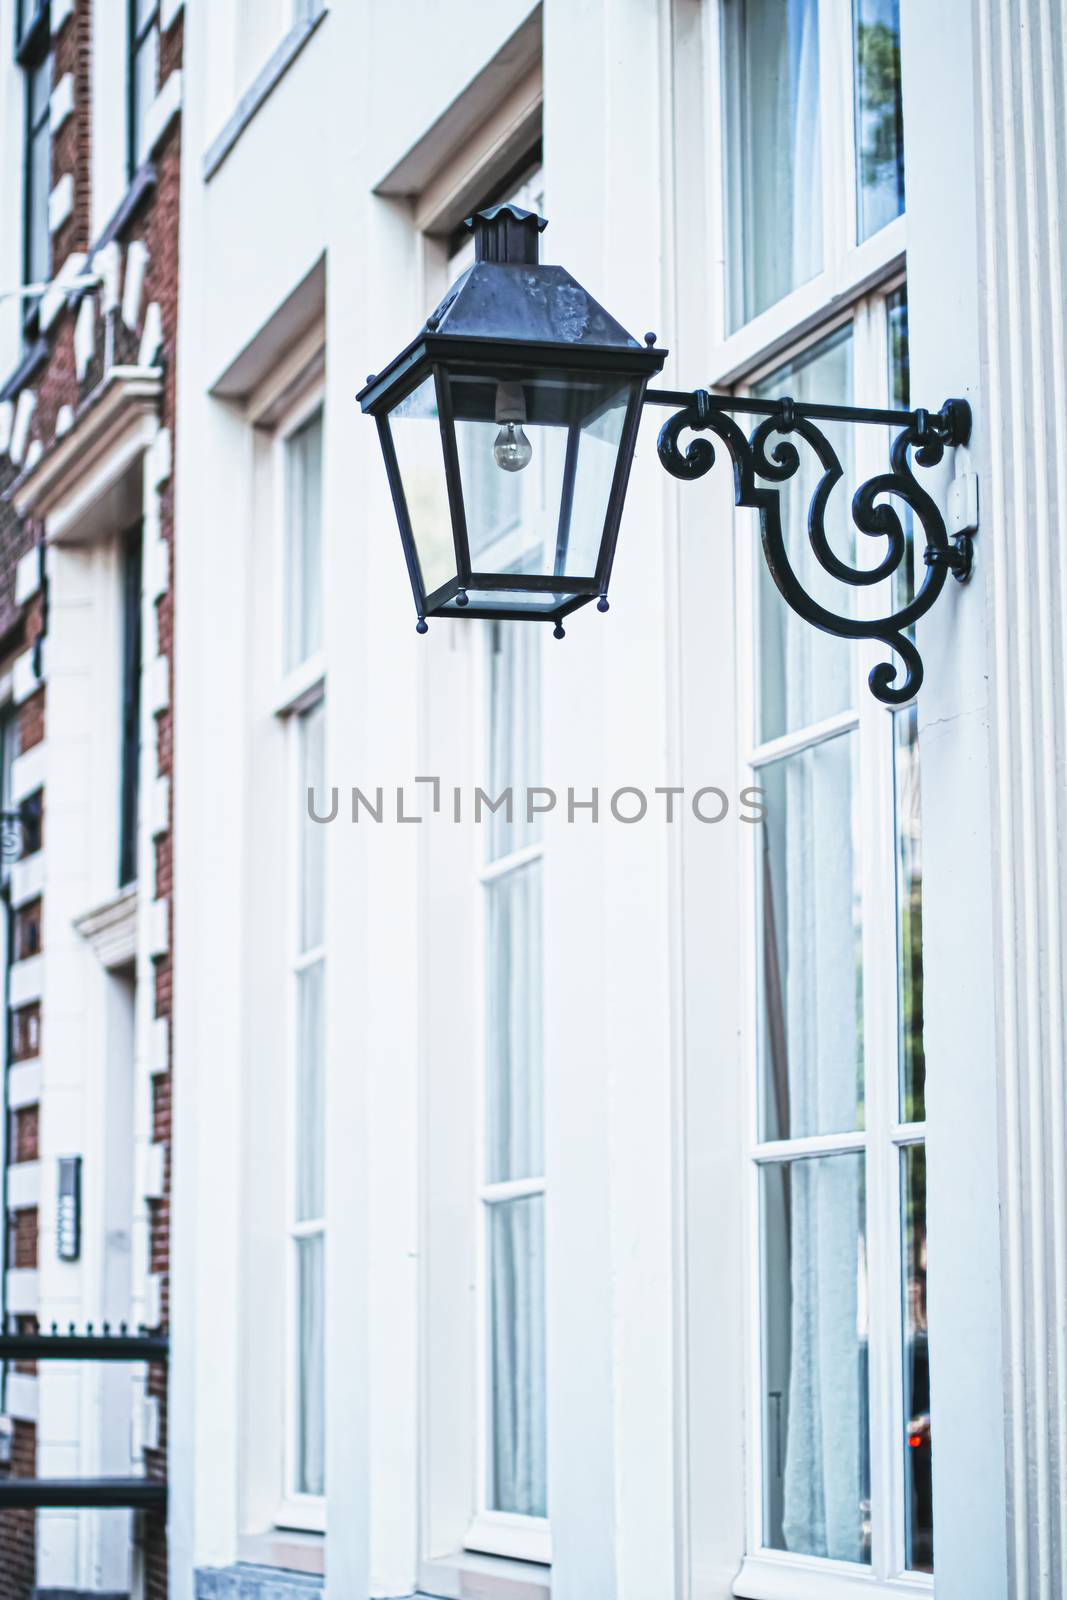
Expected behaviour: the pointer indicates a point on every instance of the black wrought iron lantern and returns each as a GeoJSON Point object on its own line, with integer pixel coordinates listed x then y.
{"type": "Point", "coordinates": [508, 427]}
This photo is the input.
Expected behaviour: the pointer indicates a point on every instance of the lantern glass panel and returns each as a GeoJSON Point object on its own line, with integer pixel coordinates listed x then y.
{"type": "Point", "coordinates": [546, 519]}
{"type": "Point", "coordinates": [416, 432]}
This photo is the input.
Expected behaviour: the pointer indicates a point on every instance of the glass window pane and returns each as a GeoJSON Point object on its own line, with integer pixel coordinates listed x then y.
{"type": "Point", "coordinates": [514, 732]}
{"type": "Point", "coordinates": [518, 1479]}
{"type": "Point", "coordinates": [810, 945]}
{"type": "Point", "coordinates": [879, 114]}
{"type": "Point", "coordinates": [515, 1090]}
{"type": "Point", "coordinates": [309, 1476]}
{"type": "Point", "coordinates": [773, 144]}
{"type": "Point", "coordinates": [805, 674]}
{"type": "Point", "coordinates": [416, 435]}
{"type": "Point", "coordinates": [917, 1437]}
{"type": "Point", "coordinates": [312, 834]}
{"type": "Point", "coordinates": [40, 87]}
{"type": "Point", "coordinates": [310, 1107]}
{"type": "Point", "coordinates": [910, 916]}
{"type": "Point", "coordinates": [548, 516]}
{"type": "Point", "coordinates": [816, 1445]}
{"type": "Point", "coordinates": [303, 520]}
{"type": "Point", "coordinates": [38, 239]}
{"type": "Point", "coordinates": [145, 70]}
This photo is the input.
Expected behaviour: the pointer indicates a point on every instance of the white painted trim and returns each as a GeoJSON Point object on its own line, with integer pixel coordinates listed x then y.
{"type": "Point", "coordinates": [159, 807]}
{"type": "Point", "coordinates": [24, 1083]}
{"type": "Point", "coordinates": [55, 299]}
{"type": "Point", "coordinates": [468, 1573]}
{"type": "Point", "coordinates": [514, 1538]}
{"type": "Point", "coordinates": [61, 104]}
{"type": "Point", "coordinates": [24, 678]}
{"type": "Point", "coordinates": [111, 928]}
{"type": "Point", "coordinates": [159, 465]}
{"type": "Point", "coordinates": [27, 879]}
{"type": "Point", "coordinates": [7, 423]}
{"type": "Point", "coordinates": [158, 679]}
{"type": "Point", "coordinates": [64, 420]}
{"type": "Point", "coordinates": [765, 1577]}
{"type": "Point", "coordinates": [159, 928]}
{"type": "Point", "coordinates": [84, 336]}
{"type": "Point", "coordinates": [112, 431]}
{"type": "Point", "coordinates": [28, 772]}
{"type": "Point", "coordinates": [27, 576]}
{"type": "Point", "coordinates": [162, 112]}
{"type": "Point", "coordinates": [159, 1046]}
{"type": "Point", "coordinates": [153, 1300]}
{"type": "Point", "coordinates": [108, 263]}
{"type": "Point", "coordinates": [152, 337]}
{"type": "Point", "coordinates": [157, 574]}
{"type": "Point", "coordinates": [133, 283]}
{"type": "Point", "coordinates": [26, 980]}
{"type": "Point", "coordinates": [20, 1396]}
{"type": "Point", "coordinates": [61, 10]}
{"type": "Point", "coordinates": [61, 203]}
{"type": "Point", "coordinates": [169, 12]}
{"type": "Point", "coordinates": [154, 1175]}
{"type": "Point", "coordinates": [23, 1185]}
{"type": "Point", "coordinates": [22, 1297]}
{"type": "Point", "coordinates": [20, 428]}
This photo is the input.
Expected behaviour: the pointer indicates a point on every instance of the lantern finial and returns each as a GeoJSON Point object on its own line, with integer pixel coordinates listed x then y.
{"type": "Point", "coordinates": [507, 234]}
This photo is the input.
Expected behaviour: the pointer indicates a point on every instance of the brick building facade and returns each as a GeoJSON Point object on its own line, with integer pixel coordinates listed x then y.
{"type": "Point", "coordinates": [90, 98]}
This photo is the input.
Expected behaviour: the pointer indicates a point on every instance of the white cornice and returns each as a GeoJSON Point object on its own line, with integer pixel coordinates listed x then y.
{"type": "Point", "coordinates": [116, 424]}
{"type": "Point", "coordinates": [111, 929]}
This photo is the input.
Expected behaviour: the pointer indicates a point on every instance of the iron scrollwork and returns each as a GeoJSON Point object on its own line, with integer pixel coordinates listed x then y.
{"type": "Point", "coordinates": [768, 457]}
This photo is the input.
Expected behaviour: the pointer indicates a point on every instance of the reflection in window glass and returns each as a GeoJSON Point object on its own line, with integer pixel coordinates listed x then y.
{"type": "Point", "coordinates": [303, 535]}
{"type": "Point", "coordinates": [38, 239]}
{"type": "Point", "coordinates": [516, 1480]}
{"type": "Point", "coordinates": [307, 1201]}
{"type": "Point", "coordinates": [816, 1444]}
{"type": "Point", "coordinates": [910, 917]}
{"type": "Point", "coordinates": [805, 674]}
{"type": "Point", "coordinates": [416, 434]}
{"type": "Point", "coordinates": [773, 145]}
{"type": "Point", "coordinates": [515, 1091]}
{"type": "Point", "coordinates": [917, 1438]}
{"type": "Point", "coordinates": [810, 956]}
{"type": "Point", "coordinates": [879, 114]}
{"type": "Point", "coordinates": [517, 1356]}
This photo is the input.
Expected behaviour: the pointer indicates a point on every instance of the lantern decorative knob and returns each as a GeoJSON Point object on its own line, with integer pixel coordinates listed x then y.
{"type": "Point", "coordinates": [507, 234]}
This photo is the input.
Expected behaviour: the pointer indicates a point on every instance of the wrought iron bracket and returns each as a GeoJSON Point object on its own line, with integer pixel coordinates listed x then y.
{"type": "Point", "coordinates": [761, 467]}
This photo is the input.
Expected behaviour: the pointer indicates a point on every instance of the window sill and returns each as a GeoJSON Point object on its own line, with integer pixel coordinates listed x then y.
{"type": "Point", "coordinates": [141, 185]}
{"type": "Point", "coordinates": [466, 1576]}
{"type": "Point", "coordinates": [29, 366]}
{"type": "Point", "coordinates": [285, 1548]}
{"type": "Point", "coordinates": [260, 89]}
{"type": "Point", "coordinates": [768, 1576]}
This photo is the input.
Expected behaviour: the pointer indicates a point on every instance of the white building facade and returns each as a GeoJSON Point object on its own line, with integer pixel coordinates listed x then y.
{"type": "Point", "coordinates": [607, 1204]}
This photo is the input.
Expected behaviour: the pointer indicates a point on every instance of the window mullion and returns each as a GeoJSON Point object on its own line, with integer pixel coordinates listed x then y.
{"type": "Point", "coordinates": [878, 858]}
{"type": "Point", "coordinates": [835, 129]}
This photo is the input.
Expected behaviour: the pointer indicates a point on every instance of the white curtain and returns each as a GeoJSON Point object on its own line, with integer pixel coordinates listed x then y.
{"type": "Point", "coordinates": [517, 1279]}
{"type": "Point", "coordinates": [812, 1263]}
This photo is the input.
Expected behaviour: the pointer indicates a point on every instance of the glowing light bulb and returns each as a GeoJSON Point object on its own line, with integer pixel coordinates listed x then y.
{"type": "Point", "coordinates": [511, 449]}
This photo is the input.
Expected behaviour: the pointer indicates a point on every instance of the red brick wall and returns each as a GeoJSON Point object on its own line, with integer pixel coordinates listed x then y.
{"type": "Point", "coordinates": [156, 224]}
{"type": "Point", "coordinates": [18, 1546]}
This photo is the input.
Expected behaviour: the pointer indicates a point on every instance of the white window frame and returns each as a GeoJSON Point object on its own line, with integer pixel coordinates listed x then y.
{"type": "Point", "coordinates": [297, 683]}
{"type": "Point", "coordinates": [722, 1531]}
{"type": "Point", "coordinates": [499, 1533]}
{"type": "Point", "coordinates": [462, 1543]}
{"type": "Point", "coordinates": [850, 269]}
{"type": "Point", "coordinates": [300, 691]}
{"type": "Point", "coordinates": [767, 1573]}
